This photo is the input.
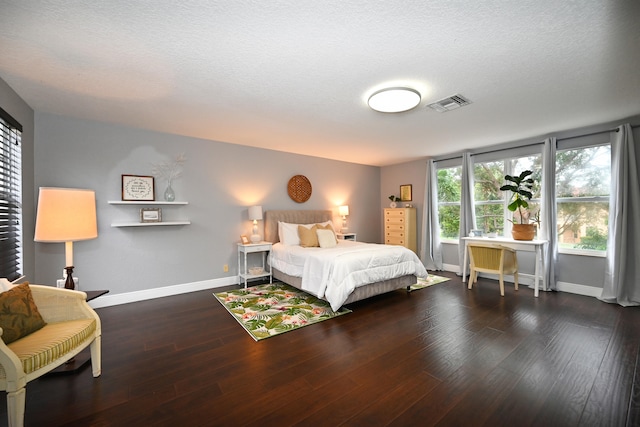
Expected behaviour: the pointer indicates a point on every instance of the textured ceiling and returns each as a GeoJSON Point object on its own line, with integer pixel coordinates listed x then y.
{"type": "Point", "coordinates": [294, 75]}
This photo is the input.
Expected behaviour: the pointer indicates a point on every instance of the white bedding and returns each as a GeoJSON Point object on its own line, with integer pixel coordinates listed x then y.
{"type": "Point", "coordinates": [333, 273]}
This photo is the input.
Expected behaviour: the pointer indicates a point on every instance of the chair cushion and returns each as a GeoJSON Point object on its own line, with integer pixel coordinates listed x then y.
{"type": "Point", "coordinates": [19, 315]}
{"type": "Point", "coordinates": [52, 342]}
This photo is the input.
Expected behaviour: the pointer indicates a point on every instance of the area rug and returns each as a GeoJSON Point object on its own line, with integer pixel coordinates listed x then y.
{"type": "Point", "coordinates": [431, 280]}
{"type": "Point", "coordinates": [271, 309]}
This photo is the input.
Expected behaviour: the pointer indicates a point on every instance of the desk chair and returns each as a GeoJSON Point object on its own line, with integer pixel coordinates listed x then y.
{"type": "Point", "coordinates": [492, 258]}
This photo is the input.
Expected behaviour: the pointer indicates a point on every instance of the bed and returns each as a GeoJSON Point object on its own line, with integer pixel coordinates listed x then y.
{"type": "Point", "coordinates": [359, 286]}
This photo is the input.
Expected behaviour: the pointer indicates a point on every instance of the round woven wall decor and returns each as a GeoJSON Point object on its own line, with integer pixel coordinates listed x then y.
{"type": "Point", "coordinates": [299, 188]}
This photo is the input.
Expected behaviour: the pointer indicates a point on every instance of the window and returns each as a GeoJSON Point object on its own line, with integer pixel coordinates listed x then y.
{"type": "Point", "coordinates": [449, 190]}
{"type": "Point", "coordinates": [10, 198]}
{"type": "Point", "coordinates": [491, 211]}
{"type": "Point", "coordinates": [583, 179]}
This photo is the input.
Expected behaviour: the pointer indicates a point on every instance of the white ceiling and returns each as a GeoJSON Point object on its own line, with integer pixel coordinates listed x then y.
{"type": "Point", "coordinates": [294, 75]}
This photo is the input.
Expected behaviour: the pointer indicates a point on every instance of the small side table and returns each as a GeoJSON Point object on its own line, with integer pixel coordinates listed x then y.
{"type": "Point", "coordinates": [346, 236]}
{"type": "Point", "coordinates": [243, 250]}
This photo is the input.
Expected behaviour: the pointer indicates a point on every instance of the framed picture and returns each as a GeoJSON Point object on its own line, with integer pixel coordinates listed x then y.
{"type": "Point", "coordinates": [150, 215]}
{"type": "Point", "coordinates": [136, 187]}
{"type": "Point", "coordinates": [405, 193]}
{"type": "Point", "coordinates": [244, 239]}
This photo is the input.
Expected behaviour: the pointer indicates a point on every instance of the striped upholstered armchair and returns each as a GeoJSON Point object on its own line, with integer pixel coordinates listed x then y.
{"type": "Point", "coordinates": [71, 325]}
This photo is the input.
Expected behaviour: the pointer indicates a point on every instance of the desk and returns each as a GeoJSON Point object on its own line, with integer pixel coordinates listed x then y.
{"type": "Point", "coordinates": [537, 246]}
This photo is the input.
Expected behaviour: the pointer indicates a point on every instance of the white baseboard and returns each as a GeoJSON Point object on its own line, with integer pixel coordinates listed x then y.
{"type": "Point", "coordinates": [125, 298]}
{"type": "Point", "coordinates": [572, 288]}
{"type": "Point", "coordinates": [117, 299]}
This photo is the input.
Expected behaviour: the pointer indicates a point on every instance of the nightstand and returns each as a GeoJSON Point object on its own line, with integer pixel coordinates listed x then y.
{"type": "Point", "coordinates": [243, 250]}
{"type": "Point", "coordinates": [346, 236]}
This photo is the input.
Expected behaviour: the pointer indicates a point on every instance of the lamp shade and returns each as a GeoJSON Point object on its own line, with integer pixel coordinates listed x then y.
{"type": "Point", "coordinates": [255, 213]}
{"type": "Point", "coordinates": [66, 215]}
{"type": "Point", "coordinates": [343, 210]}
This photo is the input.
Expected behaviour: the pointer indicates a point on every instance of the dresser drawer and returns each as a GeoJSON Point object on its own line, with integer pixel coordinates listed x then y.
{"type": "Point", "coordinates": [395, 227]}
{"type": "Point", "coordinates": [395, 241]}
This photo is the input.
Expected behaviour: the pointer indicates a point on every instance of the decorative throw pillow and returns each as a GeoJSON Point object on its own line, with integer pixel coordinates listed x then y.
{"type": "Point", "coordinates": [308, 236]}
{"type": "Point", "coordinates": [328, 227]}
{"type": "Point", "coordinates": [326, 238]}
{"type": "Point", "coordinates": [19, 315]}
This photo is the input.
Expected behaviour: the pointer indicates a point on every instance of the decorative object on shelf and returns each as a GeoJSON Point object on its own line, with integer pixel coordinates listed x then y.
{"type": "Point", "coordinates": [138, 187]}
{"type": "Point", "coordinates": [299, 188]}
{"type": "Point", "coordinates": [256, 270]}
{"type": "Point", "coordinates": [394, 201]}
{"type": "Point", "coordinates": [244, 240]}
{"type": "Point", "coordinates": [405, 193]}
{"type": "Point", "coordinates": [521, 188]}
{"type": "Point", "coordinates": [66, 215]}
{"type": "Point", "coordinates": [344, 212]}
{"type": "Point", "coordinates": [255, 215]}
{"type": "Point", "coordinates": [169, 171]}
{"type": "Point", "coordinates": [151, 215]}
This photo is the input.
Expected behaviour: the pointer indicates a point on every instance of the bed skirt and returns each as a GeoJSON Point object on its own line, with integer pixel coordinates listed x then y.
{"type": "Point", "coordinates": [361, 292]}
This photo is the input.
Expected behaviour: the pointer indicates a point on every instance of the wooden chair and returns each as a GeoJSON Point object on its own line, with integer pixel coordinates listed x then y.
{"type": "Point", "coordinates": [72, 325]}
{"type": "Point", "coordinates": [492, 258]}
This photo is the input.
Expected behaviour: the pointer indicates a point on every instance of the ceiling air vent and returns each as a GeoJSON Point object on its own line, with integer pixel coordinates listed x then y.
{"type": "Point", "coordinates": [450, 103]}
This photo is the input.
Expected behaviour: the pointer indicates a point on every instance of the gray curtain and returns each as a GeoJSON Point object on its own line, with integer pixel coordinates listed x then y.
{"type": "Point", "coordinates": [431, 249]}
{"type": "Point", "coordinates": [467, 211]}
{"type": "Point", "coordinates": [622, 271]}
{"type": "Point", "coordinates": [548, 211]}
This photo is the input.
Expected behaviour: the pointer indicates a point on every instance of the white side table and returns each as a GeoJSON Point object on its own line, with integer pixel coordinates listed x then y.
{"type": "Point", "coordinates": [243, 250]}
{"type": "Point", "coordinates": [346, 236]}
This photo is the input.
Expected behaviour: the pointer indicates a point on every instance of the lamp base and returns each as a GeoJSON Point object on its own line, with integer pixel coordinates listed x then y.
{"type": "Point", "coordinates": [255, 238]}
{"type": "Point", "coordinates": [69, 284]}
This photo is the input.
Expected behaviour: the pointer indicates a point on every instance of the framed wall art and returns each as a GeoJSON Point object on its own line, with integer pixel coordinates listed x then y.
{"type": "Point", "coordinates": [405, 193]}
{"type": "Point", "coordinates": [138, 188]}
{"type": "Point", "coordinates": [150, 215]}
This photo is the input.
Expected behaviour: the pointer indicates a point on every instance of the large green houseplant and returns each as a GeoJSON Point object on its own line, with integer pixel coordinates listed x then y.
{"type": "Point", "coordinates": [521, 187]}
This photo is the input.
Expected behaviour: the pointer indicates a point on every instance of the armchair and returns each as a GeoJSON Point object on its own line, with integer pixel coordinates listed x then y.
{"type": "Point", "coordinates": [71, 326]}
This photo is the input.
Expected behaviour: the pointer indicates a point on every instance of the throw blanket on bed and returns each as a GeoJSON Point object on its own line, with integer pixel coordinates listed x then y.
{"type": "Point", "coordinates": [333, 273]}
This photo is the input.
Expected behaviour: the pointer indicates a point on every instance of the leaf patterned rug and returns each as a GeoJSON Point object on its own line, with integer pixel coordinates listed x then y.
{"type": "Point", "coordinates": [431, 280]}
{"type": "Point", "coordinates": [271, 309]}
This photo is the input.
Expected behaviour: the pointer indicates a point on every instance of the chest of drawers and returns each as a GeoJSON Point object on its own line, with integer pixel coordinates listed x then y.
{"type": "Point", "coordinates": [400, 227]}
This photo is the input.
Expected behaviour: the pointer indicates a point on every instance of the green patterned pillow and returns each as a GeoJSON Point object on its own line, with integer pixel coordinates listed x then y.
{"type": "Point", "coordinates": [19, 315]}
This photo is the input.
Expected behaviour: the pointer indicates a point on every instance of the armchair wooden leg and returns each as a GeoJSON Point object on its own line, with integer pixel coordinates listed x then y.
{"type": "Point", "coordinates": [96, 357]}
{"type": "Point", "coordinates": [515, 279]}
{"type": "Point", "coordinates": [470, 279]}
{"type": "Point", "coordinates": [15, 407]}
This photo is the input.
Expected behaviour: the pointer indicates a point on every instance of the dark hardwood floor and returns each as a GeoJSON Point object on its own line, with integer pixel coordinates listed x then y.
{"type": "Point", "coordinates": [441, 356]}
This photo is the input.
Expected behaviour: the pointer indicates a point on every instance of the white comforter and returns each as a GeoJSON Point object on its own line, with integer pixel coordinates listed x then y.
{"type": "Point", "coordinates": [333, 273]}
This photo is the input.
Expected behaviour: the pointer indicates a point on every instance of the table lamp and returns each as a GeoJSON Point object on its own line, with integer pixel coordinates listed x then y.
{"type": "Point", "coordinates": [344, 212]}
{"type": "Point", "coordinates": [66, 215]}
{"type": "Point", "coordinates": [255, 215]}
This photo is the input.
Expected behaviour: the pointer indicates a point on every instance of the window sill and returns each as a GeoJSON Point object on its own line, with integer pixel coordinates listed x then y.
{"type": "Point", "coordinates": [582, 252]}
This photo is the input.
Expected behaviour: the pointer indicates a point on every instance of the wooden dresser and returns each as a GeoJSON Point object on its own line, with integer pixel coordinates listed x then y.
{"type": "Point", "coordinates": [400, 227]}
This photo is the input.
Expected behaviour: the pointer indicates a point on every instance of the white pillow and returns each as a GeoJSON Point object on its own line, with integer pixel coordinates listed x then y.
{"type": "Point", "coordinates": [288, 233]}
{"type": "Point", "coordinates": [326, 238]}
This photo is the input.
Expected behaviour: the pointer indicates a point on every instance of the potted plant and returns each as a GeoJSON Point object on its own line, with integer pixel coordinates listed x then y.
{"type": "Point", "coordinates": [521, 186]}
{"type": "Point", "coordinates": [394, 200]}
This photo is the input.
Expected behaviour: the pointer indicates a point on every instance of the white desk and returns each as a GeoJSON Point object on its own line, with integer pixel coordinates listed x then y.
{"type": "Point", "coordinates": [537, 246]}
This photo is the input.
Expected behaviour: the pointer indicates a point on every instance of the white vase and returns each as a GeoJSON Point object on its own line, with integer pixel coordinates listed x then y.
{"type": "Point", "coordinates": [169, 194]}
{"type": "Point", "coordinates": [393, 205]}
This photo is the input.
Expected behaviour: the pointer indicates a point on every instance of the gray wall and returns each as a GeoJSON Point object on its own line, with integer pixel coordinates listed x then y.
{"type": "Point", "coordinates": [219, 181]}
{"type": "Point", "coordinates": [19, 110]}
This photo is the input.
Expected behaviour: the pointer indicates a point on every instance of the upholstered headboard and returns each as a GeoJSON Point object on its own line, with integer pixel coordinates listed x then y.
{"type": "Point", "coordinates": [271, 219]}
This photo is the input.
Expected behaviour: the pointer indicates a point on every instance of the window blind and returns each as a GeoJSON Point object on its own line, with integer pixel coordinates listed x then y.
{"type": "Point", "coordinates": [10, 197]}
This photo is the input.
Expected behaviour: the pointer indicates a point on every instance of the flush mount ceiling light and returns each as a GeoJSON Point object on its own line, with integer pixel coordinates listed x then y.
{"type": "Point", "coordinates": [394, 100]}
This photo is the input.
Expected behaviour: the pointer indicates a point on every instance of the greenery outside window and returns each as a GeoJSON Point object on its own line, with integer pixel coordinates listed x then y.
{"type": "Point", "coordinates": [492, 215]}
{"type": "Point", "coordinates": [583, 181]}
{"type": "Point", "coordinates": [449, 191]}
